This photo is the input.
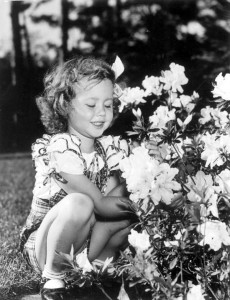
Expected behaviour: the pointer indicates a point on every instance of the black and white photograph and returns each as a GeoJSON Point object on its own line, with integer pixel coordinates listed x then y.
{"type": "Point", "coordinates": [115, 149]}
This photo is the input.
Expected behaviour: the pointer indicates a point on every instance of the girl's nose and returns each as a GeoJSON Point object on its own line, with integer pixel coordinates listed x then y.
{"type": "Point", "coordinates": [101, 111]}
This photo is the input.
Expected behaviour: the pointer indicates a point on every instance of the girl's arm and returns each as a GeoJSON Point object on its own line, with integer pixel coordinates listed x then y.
{"type": "Point", "coordinates": [105, 206]}
{"type": "Point", "coordinates": [116, 186]}
{"type": "Point", "coordinates": [119, 190]}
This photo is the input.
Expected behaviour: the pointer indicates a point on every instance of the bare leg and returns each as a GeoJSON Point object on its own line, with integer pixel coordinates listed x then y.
{"type": "Point", "coordinates": [102, 232]}
{"type": "Point", "coordinates": [66, 224]}
{"type": "Point", "coordinates": [118, 242]}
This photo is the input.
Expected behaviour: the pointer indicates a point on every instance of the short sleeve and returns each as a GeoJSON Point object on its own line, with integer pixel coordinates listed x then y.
{"type": "Point", "coordinates": [65, 155]}
{"type": "Point", "coordinates": [39, 147]}
{"type": "Point", "coordinates": [116, 149]}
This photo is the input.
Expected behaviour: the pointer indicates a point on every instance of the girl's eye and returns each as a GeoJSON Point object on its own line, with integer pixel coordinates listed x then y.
{"type": "Point", "coordinates": [108, 106]}
{"type": "Point", "coordinates": [90, 105]}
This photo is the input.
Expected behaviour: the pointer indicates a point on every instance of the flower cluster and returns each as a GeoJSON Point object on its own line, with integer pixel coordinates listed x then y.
{"type": "Point", "coordinates": [147, 179]}
{"type": "Point", "coordinates": [179, 179]}
{"type": "Point", "coordinates": [180, 247]}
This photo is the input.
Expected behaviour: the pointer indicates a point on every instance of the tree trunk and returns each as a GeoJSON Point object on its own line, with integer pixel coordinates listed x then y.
{"type": "Point", "coordinates": [17, 43]}
{"type": "Point", "coordinates": [64, 27]}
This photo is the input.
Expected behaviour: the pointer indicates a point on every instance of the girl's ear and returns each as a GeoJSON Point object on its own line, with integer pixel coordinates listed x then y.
{"type": "Point", "coordinates": [62, 106]}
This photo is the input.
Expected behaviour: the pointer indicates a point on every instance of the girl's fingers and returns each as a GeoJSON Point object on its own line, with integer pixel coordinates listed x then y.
{"type": "Point", "coordinates": [151, 146]}
{"type": "Point", "coordinates": [153, 151]}
{"type": "Point", "coordinates": [177, 196]}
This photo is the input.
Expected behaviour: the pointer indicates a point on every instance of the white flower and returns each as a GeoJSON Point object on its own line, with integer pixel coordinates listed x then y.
{"type": "Point", "coordinates": [224, 24]}
{"type": "Point", "coordinates": [155, 8]}
{"type": "Point", "coordinates": [133, 96]}
{"type": "Point", "coordinates": [193, 28]}
{"type": "Point", "coordinates": [222, 87]}
{"type": "Point", "coordinates": [140, 241]}
{"type": "Point", "coordinates": [207, 12]}
{"type": "Point", "coordinates": [215, 234]}
{"type": "Point", "coordinates": [195, 292]}
{"type": "Point", "coordinates": [163, 186]}
{"type": "Point", "coordinates": [223, 179]}
{"type": "Point", "coordinates": [175, 78]}
{"type": "Point", "coordinates": [161, 117]}
{"type": "Point", "coordinates": [213, 147]}
{"type": "Point", "coordinates": [135, 171]}
{"type": "Point", "coordinates": [206, 114]}
{"type": "Point", "coordinates": [182, 101]}
{"type": "Point", "coordinates": [152, 85]}
{"type": "Point", "coordinates": [220, 117]}
{"type": "Point", "coordinates": [83, 262]}
{"type": "Point", "coordinates": [145, 177]}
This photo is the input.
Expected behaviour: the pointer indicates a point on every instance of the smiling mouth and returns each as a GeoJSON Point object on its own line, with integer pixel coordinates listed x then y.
{"type": "Point", "coordinates": [98, 124]}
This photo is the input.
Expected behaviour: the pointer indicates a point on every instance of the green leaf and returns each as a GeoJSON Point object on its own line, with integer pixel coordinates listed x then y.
{"type": "Point", "coordinates": [132, 133]}
{"type": "Point", "coordinates": [173, 263]}
{"type": "Point", "coordinates": [153, 130]}
{"type": "Point", "coordinates": [64, 259]}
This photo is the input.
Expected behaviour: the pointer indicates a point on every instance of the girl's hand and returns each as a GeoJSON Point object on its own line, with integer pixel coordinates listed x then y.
{"type": "Point", "coordinates": [153, 148]}
{"type": "Point", "coordinates": [150, 145]}
{"type": "Point", "coordinates": [133, 207]}
{"type": "Point", "coordinates": [133, 145]}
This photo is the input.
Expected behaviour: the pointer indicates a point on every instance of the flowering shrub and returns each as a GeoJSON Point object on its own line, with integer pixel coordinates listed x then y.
{"type": "Point", "coordinates": [180, 247]}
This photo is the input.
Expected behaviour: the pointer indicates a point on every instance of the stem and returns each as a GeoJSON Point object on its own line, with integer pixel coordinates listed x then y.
{"type": "Point", "coordinates": [181, 270]}
{"type": "Point", "coordinates": [210, 289]}
{"type": "Point", "coordinates": [104, 292]}
{"type": "Point", "coordinates": [206, 284]}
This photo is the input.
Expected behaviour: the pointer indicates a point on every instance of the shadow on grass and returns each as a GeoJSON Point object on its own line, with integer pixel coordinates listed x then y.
{"type": "Point", "coordinates": [90, 293]}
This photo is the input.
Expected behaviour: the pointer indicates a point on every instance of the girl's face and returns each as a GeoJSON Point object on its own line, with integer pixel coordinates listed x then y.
{"type": "Point", "coordinates": [91, 111]}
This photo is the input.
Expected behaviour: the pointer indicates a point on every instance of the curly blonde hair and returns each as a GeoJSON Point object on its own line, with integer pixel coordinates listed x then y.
{"type": "Point", "coordinates": [60, 87]}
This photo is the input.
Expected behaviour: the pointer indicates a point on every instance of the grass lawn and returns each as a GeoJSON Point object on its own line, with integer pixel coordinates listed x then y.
{"type": "Point", "coordinates": [16, 184]}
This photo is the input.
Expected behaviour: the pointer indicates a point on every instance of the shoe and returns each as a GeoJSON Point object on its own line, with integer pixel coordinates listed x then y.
{"type": "Point", "coordinates": [52, 293]}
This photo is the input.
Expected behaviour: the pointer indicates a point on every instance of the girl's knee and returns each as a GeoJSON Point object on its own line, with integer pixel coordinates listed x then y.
{"type": "Point", "coordinates": [77, 207]}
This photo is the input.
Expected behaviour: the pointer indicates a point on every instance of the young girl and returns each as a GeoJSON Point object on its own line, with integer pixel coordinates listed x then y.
{"type": "Point", "coordinates": [77, 188]}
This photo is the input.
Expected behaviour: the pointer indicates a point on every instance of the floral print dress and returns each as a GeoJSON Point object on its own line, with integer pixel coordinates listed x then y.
{"type": "Point", "coordinates": [57, 153]}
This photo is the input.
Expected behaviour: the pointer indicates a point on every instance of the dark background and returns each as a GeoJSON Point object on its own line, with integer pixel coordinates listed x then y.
{"type": "Point", "coordinates": [146, 34]}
